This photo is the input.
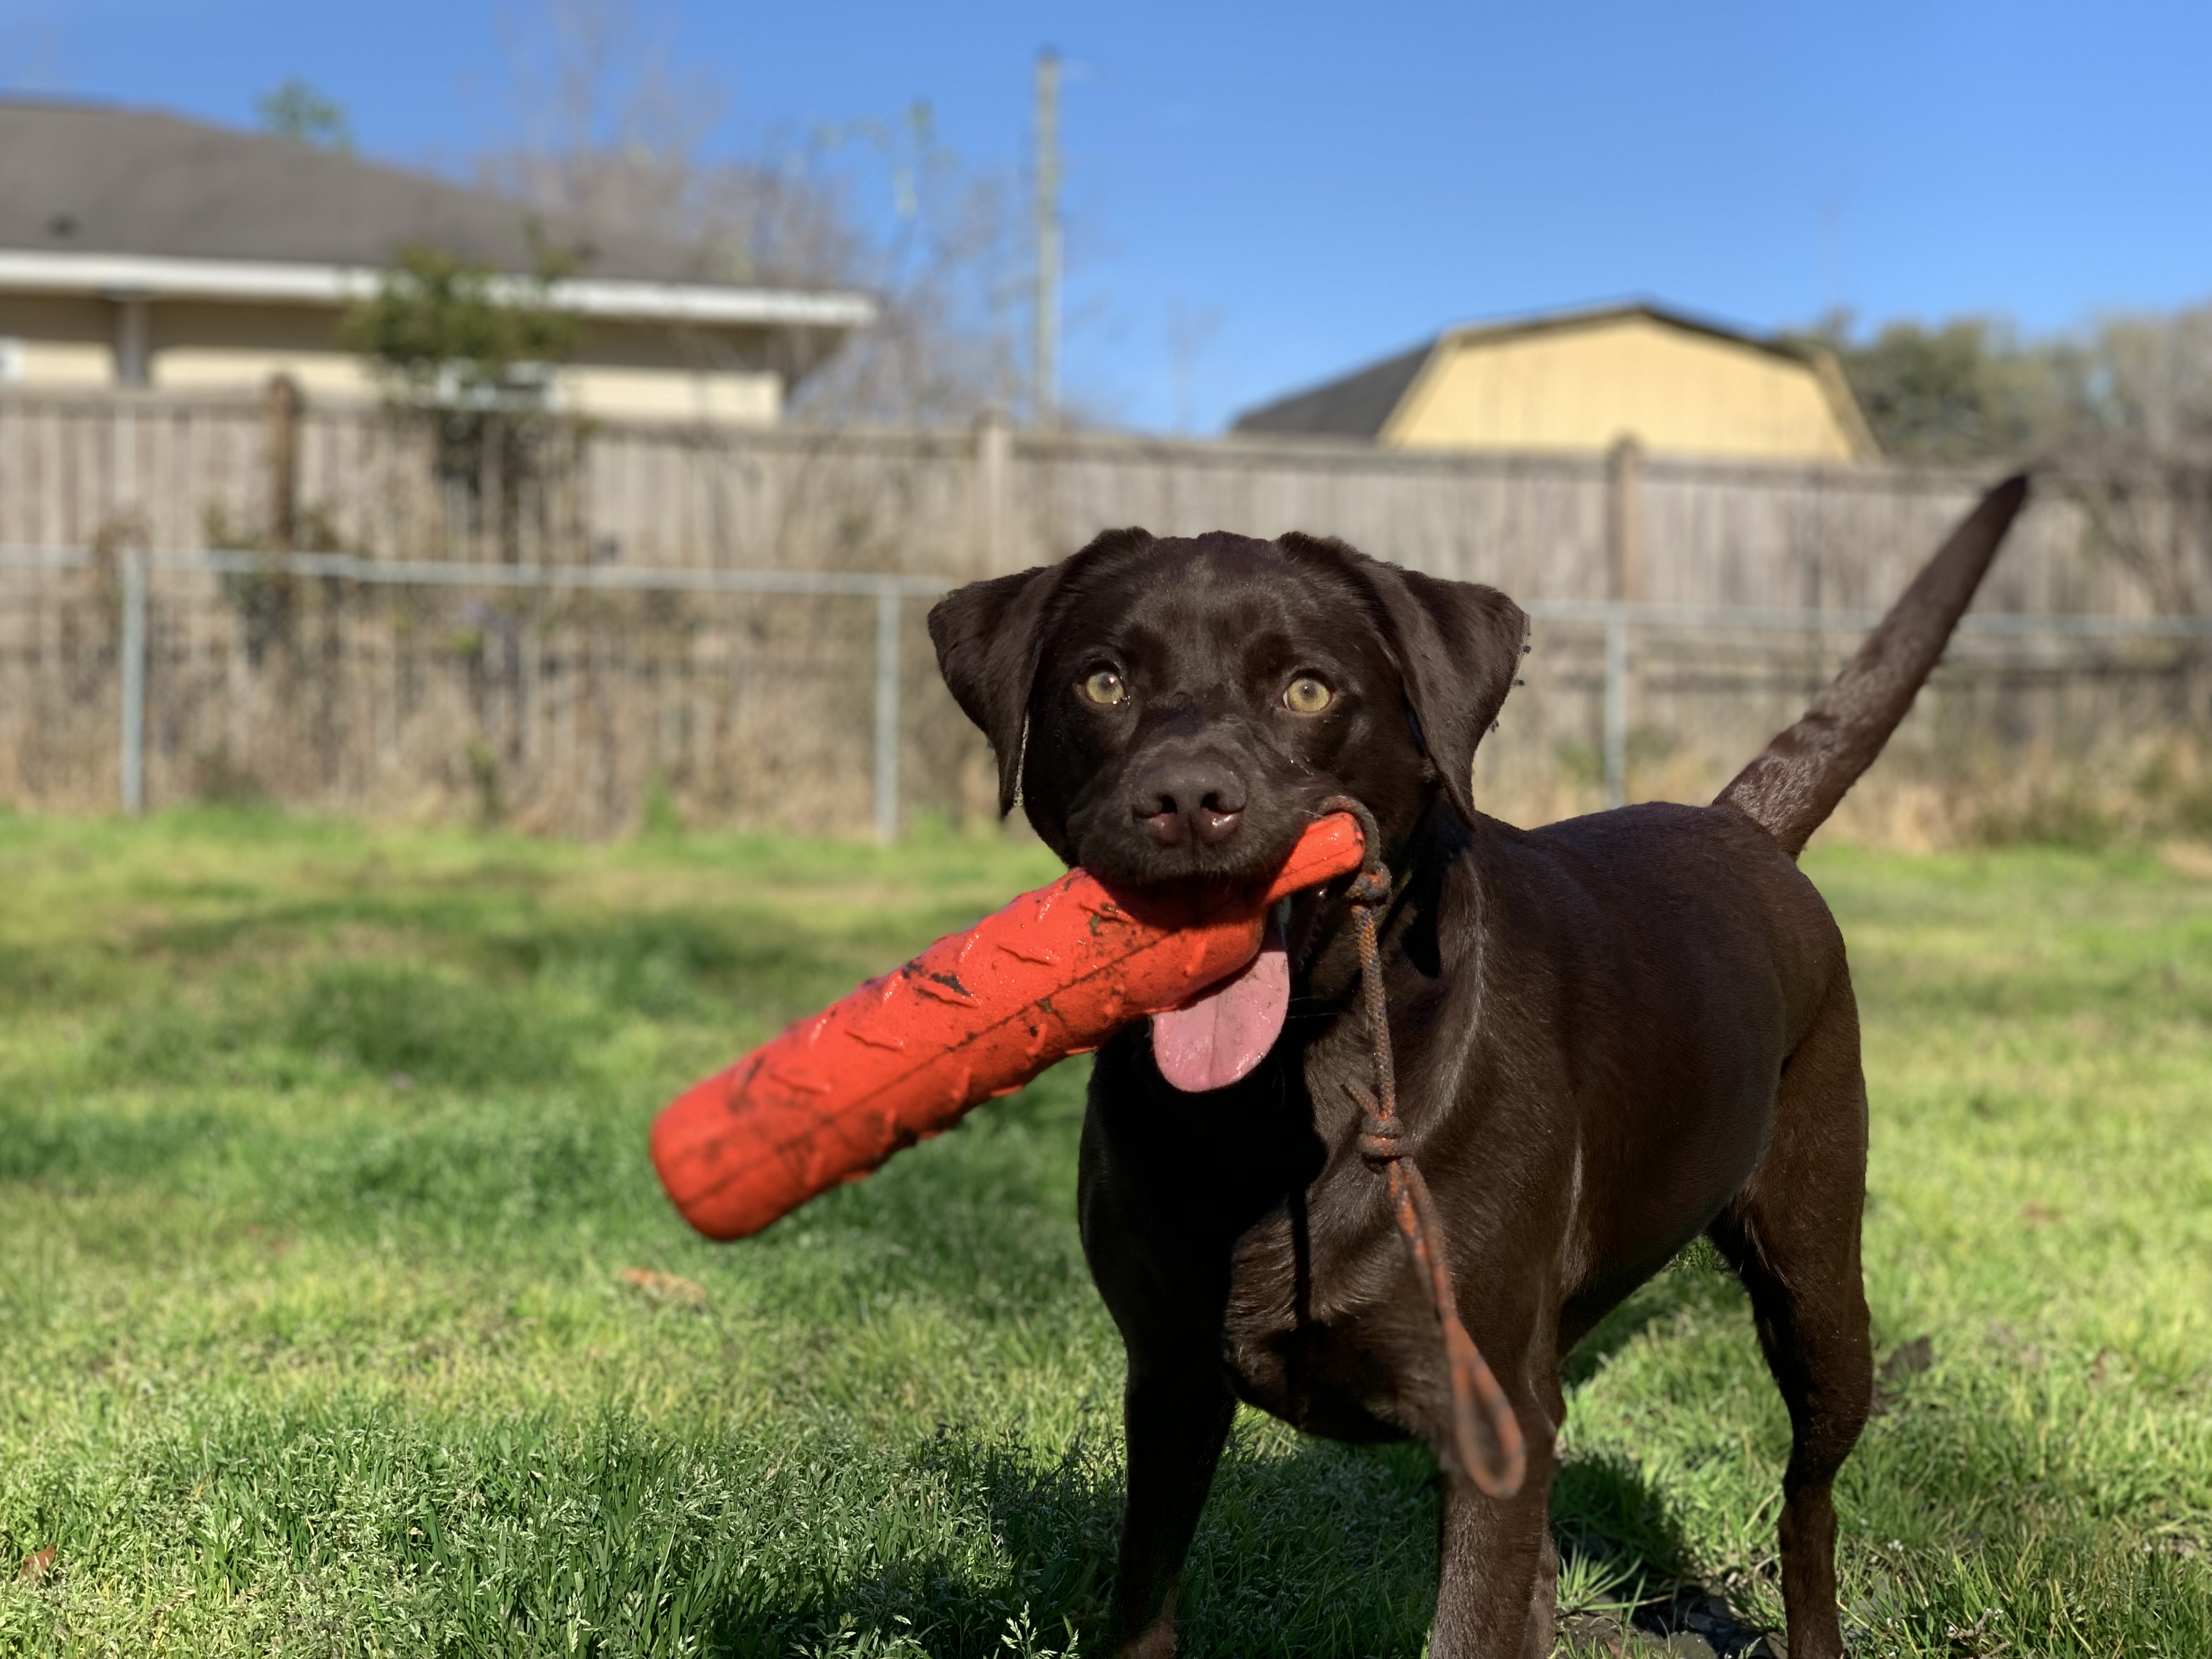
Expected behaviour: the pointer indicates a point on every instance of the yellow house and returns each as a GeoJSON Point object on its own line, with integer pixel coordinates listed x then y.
{"type": "Point", "coordinates": [139, 249]}
{"type": "Point", "coordinates": [1580, 381]}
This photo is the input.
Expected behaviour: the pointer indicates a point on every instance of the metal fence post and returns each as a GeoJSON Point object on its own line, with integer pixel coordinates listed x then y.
{"type": "Point", "coordinates": [1616, 709]}
{"type": "Point", "coordinates": [887, 711]}
{"type": "Point", "coordinates": [134, 683]}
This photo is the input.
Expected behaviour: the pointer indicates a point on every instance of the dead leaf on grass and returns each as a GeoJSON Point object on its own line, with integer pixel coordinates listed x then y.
{"type": "Point", "coordinates": [1915, 1357]}
{"type": "Point", "coordinates": [1596, 1631]}
{"type": "Point", "coordinates": [1908, 1360]}
{"type": "Point", "coordinates": [664, 1287]}
{"type": "Point", "coordinates": [2038, 1215]}
{"type": "Point", "coordinates": [36, 1564]}
{"type": "Point", "coordinates": [2193, 858]}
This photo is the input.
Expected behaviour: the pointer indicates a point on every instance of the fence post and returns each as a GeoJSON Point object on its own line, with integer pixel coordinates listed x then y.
{"type": "Point", "coordinates": [134, 683]}
{"type": "Point", "coordinates": [1616, 710]}
{"type": "Point", "coordinates": [994, 444]}
{"type": "Point", "coordinates": [1624, 537]}
{"type": "Point", "coordinates": [887, 710]}
{"type": "Point", "coordinates": [281, 534]}
{"type": "Point", "coordinates": [1624, 521]}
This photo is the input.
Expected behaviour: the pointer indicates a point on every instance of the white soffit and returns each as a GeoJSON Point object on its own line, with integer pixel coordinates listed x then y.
{"type": "Point", "coordinates": [123, 275]}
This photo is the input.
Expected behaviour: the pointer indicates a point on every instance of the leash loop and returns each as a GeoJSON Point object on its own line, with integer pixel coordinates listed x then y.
{"type": "Point", "coordinates": [1474, 1390]}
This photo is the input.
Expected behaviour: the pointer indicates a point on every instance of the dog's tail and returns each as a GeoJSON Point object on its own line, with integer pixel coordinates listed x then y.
{"type": "Point", "coordinates": [1790, 789]}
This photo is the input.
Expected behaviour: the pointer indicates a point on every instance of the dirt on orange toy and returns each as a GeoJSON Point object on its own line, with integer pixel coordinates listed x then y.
{"type": "Point", "coordinates": [975, 1016]}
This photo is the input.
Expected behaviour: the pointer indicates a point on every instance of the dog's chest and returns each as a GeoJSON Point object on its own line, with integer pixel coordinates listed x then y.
{"type": "Point", "coordinates": [1324, 1324]}
{"type": "Point", "coordinates": [1316, 1330]}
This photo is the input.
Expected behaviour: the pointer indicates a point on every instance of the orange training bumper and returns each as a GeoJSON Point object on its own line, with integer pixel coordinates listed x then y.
{"type": "Point", "coordinates": [975, 1016]}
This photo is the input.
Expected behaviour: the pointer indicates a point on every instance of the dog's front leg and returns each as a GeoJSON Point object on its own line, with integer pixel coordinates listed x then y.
{"type": "Point", "coordinates": [1177, 1417]}
{"type": "Point", "coordinates": [1497, 1590]}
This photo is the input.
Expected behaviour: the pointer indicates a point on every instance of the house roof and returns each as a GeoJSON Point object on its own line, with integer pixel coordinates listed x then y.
{"type": "Point", "coordinates": [92, 197]}
{"type": "Point", "coordinates": [1359, 405]}
{"type": "Point", "coordinates": [1356, 406]}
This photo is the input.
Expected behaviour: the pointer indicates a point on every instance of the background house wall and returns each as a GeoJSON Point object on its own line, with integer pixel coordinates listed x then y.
{"type": "Point", "coordinates": [200, 347]}
{"type": "Point", "coordinates": [654, 371]}
{"type": "Point", "coordinates": [61, 344]}
{"type": "Point", "coordinates": [673, 371]}
{"type": "Point", "coordinates": [1580, 387]}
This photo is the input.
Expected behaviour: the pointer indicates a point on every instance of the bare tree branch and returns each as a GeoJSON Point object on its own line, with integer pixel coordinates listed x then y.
{"type": "Point", "coordinates": [607, 131]}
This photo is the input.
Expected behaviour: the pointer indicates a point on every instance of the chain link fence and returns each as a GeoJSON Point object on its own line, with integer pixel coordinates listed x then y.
{"type": "Point", "coordinates": [589, 699]}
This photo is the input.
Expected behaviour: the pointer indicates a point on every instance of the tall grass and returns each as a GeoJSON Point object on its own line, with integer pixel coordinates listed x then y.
{"type": "Point", "coordinates": [340, 1312]}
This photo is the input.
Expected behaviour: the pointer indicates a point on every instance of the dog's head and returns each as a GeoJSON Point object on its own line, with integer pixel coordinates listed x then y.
{"type": "Point", "coordinates": [1167, 710]}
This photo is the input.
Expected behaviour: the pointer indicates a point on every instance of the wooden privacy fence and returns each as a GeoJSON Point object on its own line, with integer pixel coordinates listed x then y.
{"type": "Point", "coordinates": [569, 624]}
{"type": "Point", "coordinates": [160, 469]}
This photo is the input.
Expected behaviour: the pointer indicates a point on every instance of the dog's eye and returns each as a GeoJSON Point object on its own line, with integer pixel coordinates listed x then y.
{"type": "Point", "coordinates": [1307, 695]}
{"type": "Point", "coordinates": [1105, 688]}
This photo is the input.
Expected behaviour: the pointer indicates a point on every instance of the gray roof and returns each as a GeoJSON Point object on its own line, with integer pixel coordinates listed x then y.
{"type": "Point", "coordinates": [1355, 406]}
{"type": "Point", "coordinates": [83, 179]}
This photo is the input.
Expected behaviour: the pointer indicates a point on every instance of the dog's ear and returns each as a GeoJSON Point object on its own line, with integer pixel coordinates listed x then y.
{"type": "Point", "coordinates": [1458, 647]}
{"type": "Point", "coordinates": [987, 636]}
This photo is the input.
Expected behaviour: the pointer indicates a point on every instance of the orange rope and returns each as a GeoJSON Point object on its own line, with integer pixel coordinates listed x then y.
{"type": "Point", "coordinates": [1382, 1144]}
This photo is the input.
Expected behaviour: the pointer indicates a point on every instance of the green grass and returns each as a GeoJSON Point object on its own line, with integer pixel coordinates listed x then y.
{"type": "Point", "coordinates": [321, 1168]}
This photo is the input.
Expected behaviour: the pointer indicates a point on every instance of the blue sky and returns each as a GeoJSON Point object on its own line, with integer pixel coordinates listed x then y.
{"type": "Point", "coordinates": [1291, 190]}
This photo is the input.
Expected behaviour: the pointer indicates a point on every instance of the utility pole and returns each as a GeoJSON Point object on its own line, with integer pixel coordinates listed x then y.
{"type": "Point", "coordinates": [1044, 386]}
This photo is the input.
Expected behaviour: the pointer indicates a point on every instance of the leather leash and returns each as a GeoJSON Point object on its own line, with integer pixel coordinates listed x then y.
{"type": "Point", "coordinates": [1382, 1144]}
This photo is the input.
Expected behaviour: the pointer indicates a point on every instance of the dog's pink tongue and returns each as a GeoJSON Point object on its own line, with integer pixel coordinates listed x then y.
{"type": "Point", "coordinates": [1210, 1042]}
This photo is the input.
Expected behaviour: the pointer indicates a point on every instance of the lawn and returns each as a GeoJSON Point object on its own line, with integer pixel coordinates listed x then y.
{"type": "Point", "coordinates": [341, 1312]}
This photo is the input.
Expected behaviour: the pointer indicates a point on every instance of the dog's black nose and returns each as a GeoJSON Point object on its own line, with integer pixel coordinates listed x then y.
{"type": "Point", "coordinates": [1190, 798]}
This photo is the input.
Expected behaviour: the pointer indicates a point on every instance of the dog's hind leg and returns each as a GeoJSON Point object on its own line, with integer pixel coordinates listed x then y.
{"type": "Point", "coordinates": [1793, 1236]}
{"type": "Point", "coordinates": [1177, 1421]}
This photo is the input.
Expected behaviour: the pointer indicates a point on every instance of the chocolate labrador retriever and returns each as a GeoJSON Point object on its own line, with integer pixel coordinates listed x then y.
{"type": "Point", "coordinates": [1611, 1034]}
